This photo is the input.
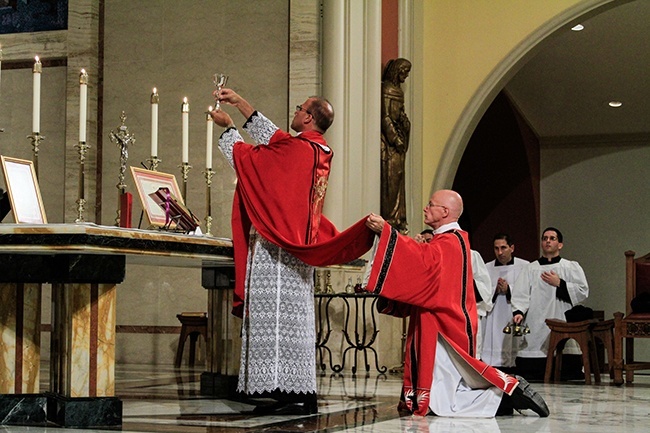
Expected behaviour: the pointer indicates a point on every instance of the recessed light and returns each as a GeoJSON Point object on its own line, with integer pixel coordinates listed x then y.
{"type": "Point", "coordinates": [577, 27]}
{"type": "Point", "coordinates": [615, 104]}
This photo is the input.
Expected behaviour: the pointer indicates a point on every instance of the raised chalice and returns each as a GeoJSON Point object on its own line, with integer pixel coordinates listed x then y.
{"type": "Point", "coordinates": [219, 80]}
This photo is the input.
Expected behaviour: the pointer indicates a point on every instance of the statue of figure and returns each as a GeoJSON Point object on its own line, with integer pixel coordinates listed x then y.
{"type": "Point", "coordinates": [395, 131]}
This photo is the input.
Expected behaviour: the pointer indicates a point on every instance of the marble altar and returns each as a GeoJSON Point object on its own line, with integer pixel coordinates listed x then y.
{"type": "Point", "coordinates": [85, 263]}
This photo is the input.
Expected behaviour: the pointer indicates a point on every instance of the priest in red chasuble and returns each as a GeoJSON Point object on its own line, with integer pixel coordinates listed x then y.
{"type": "Point", "coordinates": [279, 235]}
{"type": "Point", "coordinates": [431, 283]}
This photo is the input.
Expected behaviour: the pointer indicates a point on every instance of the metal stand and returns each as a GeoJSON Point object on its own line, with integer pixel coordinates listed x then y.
{"type": "Point", "coordinates": [208, 200]}
{"type": "Point", "coordinates": [82, 148]}
{"type": "Point", "coordinates": [36, 141]}
{"type": "Point", "coordinates": [185, 170]}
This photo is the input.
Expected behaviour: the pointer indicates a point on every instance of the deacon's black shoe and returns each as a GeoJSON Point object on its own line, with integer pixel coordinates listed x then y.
{"type": "Point", "coordinates": [525, 397]}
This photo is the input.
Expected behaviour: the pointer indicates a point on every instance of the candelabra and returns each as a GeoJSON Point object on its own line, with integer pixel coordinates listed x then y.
{"type": "Point", "coordinates": [36, 138]}
{"type": "Point", "coordinates": [82, 148]}
{"type": "Point", "coordinates": [185, 171]}
{"type": "Point", "coordinates": [208, 200]}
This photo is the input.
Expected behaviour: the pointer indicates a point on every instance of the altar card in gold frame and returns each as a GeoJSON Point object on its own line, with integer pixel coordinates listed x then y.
{"type": "Point", "coordinates": [148, 182]}
{"type": "Point", "coordinates": [23, 190]}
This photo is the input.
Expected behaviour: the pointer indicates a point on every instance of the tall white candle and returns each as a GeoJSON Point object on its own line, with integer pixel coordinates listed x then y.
{"type": "Point", "coordinates": [208, 139]}
{"type": "Point", "coordinates": [154, 122]}
{"type": "Point", "coordinates": [185, 109]}
{"type": "Point", "coordinates": [83, 104]}
{"type": "Point", "coordinates": [36, 113]}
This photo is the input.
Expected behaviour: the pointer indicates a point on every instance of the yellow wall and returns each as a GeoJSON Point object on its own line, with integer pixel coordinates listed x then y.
{"type": "Point", "coordinates": [464, 43]}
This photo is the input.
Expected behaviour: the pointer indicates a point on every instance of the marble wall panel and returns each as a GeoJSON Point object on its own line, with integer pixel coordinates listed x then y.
{"type": "Point", "coordinates": [105, 354]}
{"type": "Point", "coordinates": [304, 51]}
{"type": "Point", "coordinates": [31, 338]}
{"type": "Point", "coordinates": [20, 338]}
{"type": "Point", "coordinates": [8, 338]}
{"type": "Point", "coordinates": [78, 297]}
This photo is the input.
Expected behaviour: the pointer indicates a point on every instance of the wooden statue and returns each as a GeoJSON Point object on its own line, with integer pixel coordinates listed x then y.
{"type": "Point", "coordinates": [395, 131]}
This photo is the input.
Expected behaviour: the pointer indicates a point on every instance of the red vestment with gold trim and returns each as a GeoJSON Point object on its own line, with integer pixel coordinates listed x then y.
{"type": "Point", "coordinates": [432, 284]}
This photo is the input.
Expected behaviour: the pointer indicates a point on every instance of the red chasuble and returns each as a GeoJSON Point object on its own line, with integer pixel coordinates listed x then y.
{"type": "Point", "coordinates": [431, 283]}
{"type": "Point", "coordinates": [280, 191]}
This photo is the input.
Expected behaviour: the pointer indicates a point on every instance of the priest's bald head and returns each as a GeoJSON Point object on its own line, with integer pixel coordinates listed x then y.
{"type": "Point", "coordinates": [444, 207]}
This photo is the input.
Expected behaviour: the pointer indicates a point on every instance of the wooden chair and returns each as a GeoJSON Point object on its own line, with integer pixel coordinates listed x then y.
{"type": "Point", "coordinates": [633, 324]}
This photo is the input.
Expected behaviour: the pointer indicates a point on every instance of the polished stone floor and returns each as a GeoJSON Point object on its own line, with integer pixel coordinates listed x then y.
{"type": "Point", "coordinates": [164, 399]}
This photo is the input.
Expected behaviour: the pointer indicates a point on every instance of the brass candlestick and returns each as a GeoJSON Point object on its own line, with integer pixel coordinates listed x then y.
{"type": "Point", "coordinates": [36, 138]}
{"type": "Point", "coordinates": [82, 148]}
{"type": "Point", "coordinates": [208, 200]}
{"type": "Point", "coordinates": [153, 163]}
{"type": "Point", "coordinates": [123, 139]}
{"type": "Point", "coordinates": [185, 170]}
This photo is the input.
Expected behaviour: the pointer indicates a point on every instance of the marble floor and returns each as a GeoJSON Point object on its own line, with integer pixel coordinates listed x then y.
{"type": "Point", "coordinates": [164, 399]}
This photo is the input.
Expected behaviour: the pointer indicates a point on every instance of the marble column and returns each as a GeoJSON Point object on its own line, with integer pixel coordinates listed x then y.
{"type": "Point", "coordinates": [352, 82]}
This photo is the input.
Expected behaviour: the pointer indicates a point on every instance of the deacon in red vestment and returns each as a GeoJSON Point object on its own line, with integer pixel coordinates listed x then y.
{"type": "Point", "coordinates": [431, 283]}
{"type": "Point", "coordinates": [279, 234]}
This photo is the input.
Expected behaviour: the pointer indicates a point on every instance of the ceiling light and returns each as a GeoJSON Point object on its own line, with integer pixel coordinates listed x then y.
{"type": "Point", "coordinates": [615, 104]}
{"type": "Point", "coordinates": [577, 27]}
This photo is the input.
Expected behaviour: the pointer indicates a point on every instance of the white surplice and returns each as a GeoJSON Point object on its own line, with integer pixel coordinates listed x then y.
{"type": "Point", "coordinates": [483, 287]}
{"type": "Point", "coordinates": [532, 295]}
{"type": "Point", "coordinates": [500, 349]}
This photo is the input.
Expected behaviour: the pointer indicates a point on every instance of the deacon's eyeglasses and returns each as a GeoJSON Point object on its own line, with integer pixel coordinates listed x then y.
{"type": "Point", "coordinates": [436, 205]}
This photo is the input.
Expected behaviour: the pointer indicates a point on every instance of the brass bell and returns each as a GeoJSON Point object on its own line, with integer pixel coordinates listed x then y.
{"type": "Point", "coordinates": [517, 331]}
{"type": "Point", "coordinates": [507, 329]}
{"type": "Point", "coordinates": [526, 330]}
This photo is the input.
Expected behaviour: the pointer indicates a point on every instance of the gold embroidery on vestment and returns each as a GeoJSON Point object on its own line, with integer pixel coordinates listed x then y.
{"type": "Point", "coordinates": [319, 189]}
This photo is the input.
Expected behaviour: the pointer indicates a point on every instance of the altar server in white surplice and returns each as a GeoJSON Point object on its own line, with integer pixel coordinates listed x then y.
{"type": "Point", "coordinates": [499, 349]}
{"type": "Point", "coordinates": [483, 293]}
{"type": "Point", "coordinates": [546, 289]}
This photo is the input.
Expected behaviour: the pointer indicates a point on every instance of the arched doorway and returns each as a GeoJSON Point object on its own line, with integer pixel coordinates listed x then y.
{"type": "Point", "coordinates": [492, 139]}
{"type": "Point", "coordinates": [498, 178]}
